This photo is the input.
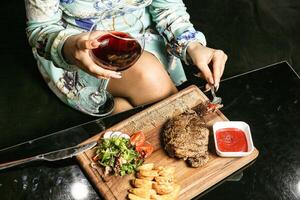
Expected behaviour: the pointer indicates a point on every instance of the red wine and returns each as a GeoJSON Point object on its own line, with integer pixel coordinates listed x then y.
{"type": "Point", "coordinates": [115, 52]}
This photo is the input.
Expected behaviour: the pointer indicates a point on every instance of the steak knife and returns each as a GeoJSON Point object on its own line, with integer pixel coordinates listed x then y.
{"type": "Point", "coordinates": [52, 156]}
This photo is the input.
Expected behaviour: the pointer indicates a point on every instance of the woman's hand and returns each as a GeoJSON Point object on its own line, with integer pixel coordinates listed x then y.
{"type": "Point", "coordinates": [76, 52]}
{"type": "Point", "coordinates": [203, 57]}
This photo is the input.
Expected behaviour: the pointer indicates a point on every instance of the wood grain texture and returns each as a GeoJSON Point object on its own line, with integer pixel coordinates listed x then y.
{"type": "Point", "coordinates": [193, 181]}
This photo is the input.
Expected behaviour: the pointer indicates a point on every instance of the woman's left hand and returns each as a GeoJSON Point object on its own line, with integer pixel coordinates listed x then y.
{"type": "Point", "coordinates": [203, 57]}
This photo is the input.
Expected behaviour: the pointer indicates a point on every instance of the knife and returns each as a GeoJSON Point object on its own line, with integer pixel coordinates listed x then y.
{"type": "Point", "coordinates": [52, 156]}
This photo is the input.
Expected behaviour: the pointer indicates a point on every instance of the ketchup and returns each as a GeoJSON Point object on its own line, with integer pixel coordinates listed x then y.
{"type": "Point", "coordinates": [231, 140]}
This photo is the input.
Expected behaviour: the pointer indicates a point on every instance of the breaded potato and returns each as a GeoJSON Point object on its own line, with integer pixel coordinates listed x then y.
{"type": "Point", "coordinates": [150, 178]}
{"type": "Point", "coordinates": [161, 197]}
{"type": "Point", "coordinates": [154, 183]}
{"type": "Point", "coordinates": [147, 166]}
{"type": "Point", "coordinates": [142, 183]}
{"type": "Point", "coordinates": [156, 197]}
{"type": "Point", "coordinates": [164, 179]}
{"type": "Point", "coordinates": [163, 188]}
{"type": "Point", "coordinates": [153, 173]}
{"type": "Point", "coordinates": [159, 168]}
{"type": "Point", "coordinates": [152, 192]}
{"type": "Point", "coordinates": [166, 171]}
{"type": "Point", "coordinates": [135, 197]}
{"type": "Point", "coordinates": [141, 192]}
{"type": "Point", "coordinates": [171, 196]}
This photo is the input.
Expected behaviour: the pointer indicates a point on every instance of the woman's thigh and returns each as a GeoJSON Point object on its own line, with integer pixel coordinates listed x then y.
{"type": "Point", "coordinates": [145, 82]}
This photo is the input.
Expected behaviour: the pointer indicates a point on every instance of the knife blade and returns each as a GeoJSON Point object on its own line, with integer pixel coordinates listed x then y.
{"type": "Point", "coordinates": [52, 156]}
{"type": "Point", "coordinates": [74, 135]}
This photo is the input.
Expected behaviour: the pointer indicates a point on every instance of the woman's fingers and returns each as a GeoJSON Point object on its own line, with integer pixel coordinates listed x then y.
{"type": "Point", "coordinates": [84, 61]}
{"type": "Point", "coordinates": [84, 44]}
{"type": "Point", "coordinates": [204, 58]}
{"type": "Point", "coordinates": [88, 40]}
{"type": "Point", "coordinates": [89, 66]}
{"type": "Point", "coordinates": [218, 63]}
{"type": "Point", "coordinates": [91, 41]}
{"type": "Point", "coordinates": [76, 50]}
{"type": "Point", "coordinates": [206, 72]}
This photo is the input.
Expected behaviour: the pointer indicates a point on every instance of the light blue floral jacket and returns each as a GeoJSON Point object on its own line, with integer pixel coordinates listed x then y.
{"type": "Point", "coordinates": [51, 22]}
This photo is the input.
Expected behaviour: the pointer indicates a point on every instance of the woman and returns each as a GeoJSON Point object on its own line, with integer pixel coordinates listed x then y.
{"type": "Point", "coordinates": [57, 31]}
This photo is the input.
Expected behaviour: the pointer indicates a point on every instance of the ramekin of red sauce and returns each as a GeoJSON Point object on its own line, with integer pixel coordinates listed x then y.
{"type": "Point", "coordinates": [232, 138]}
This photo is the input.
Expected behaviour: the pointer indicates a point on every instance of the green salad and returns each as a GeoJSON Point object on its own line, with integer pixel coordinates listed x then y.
{"type": "Point", "coordinates": [117, 156]}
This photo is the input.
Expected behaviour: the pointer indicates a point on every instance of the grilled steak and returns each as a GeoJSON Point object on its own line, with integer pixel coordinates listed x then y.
{"type": "Point", "coordinates": [198, 160]}
{"type": "Point", "coordinates": [186, 136]}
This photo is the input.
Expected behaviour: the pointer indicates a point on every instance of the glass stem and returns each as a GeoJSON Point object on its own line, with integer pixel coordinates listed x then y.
{"type": "Point", "coordinates": [103, 85]}
{"type": "Point", "coordinates": [100, 95]}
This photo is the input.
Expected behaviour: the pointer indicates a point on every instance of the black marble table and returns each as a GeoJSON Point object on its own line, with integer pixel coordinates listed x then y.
{"type": "Point", "coordinates": [268, 99]}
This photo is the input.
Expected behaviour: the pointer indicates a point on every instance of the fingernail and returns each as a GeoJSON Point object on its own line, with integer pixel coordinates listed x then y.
{"type": "Point", "coordinates": [217, 86]}
{"type": "Point", "coordinates": [115, 75]}
{"type": "Point", "coordinates": [211, 81]}
{"type": "Point", "coordinates": [95, 43]}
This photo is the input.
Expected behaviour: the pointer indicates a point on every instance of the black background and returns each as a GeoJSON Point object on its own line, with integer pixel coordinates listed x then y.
{"type": "Point", "coordinates": [253, 33]}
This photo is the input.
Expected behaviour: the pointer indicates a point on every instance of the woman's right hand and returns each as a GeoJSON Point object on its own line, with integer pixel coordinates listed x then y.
{"type": "Point", "coordinates": [76, 51]}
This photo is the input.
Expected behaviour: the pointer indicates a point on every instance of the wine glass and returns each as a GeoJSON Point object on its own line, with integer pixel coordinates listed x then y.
{"type": "Point", "coordinates": [121, 43]}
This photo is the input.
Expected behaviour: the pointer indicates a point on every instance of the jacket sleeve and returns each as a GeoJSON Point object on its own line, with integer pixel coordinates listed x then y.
{"type": "Point", "coordinates": [173, 23]}
{"type": "Point", "coordinates": [46, 31]}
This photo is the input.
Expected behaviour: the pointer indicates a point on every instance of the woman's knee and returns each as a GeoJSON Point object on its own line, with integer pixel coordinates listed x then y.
{"type": "Point", "coordinates": [145, 82]}
{"type": "Point", "coordinates": [153, 82]}
{"type": "Point", "coordinates": [158, 82]}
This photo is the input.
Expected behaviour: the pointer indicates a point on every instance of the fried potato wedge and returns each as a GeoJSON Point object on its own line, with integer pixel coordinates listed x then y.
{"type": "Point", "coordinates": [153, 173]}
{"type": "Point", "coordinates": [142, 183]}
{"type": "Point", "coordinates": [155, 183]}
{"type": "Point", "coordinates": [164, 179]}
{"type": "Point", "coordinates": [141, 192]}
{"type": "Point", "coordinates": [145, 167]}
{"type": "Point", "coordinates": [135, 197]}
{"type": "Point", "coordinates": [150, 178]}
{"type": "Point", "coordinates": [171, 196]}
{"type": "Point", "coordinates": [166, 171]}
{"type": "Point", "coordinates": [152, 192]}
{"type": "Point", "coordinates": [163, 188]}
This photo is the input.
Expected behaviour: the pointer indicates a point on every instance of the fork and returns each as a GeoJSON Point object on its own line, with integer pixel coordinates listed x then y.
{"type": "Point", "coordinates": [215, 100]}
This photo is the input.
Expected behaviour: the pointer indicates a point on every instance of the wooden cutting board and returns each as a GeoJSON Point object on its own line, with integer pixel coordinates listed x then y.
{"type": "Point", "coordinates": [193, 181]}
